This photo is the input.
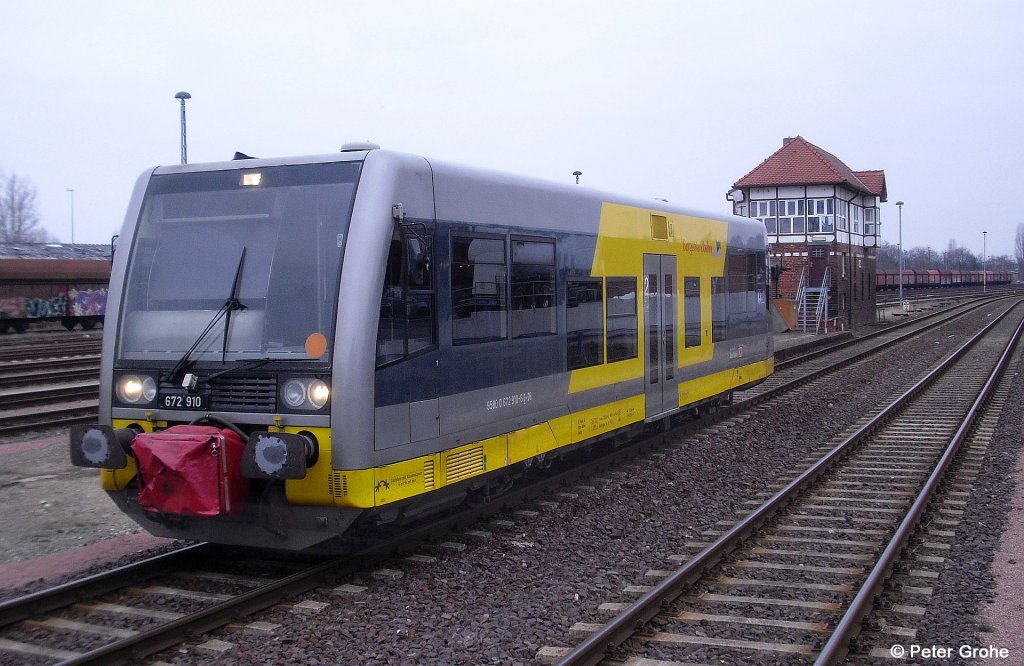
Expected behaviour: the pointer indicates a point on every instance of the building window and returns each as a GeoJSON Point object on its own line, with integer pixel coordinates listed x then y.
{"type": "Point", "coordinates": [856, 212]}
{"type": "Point", "coordinates": [842, 214]}
{"type": "Point", "coordinates": [791, 216]}
{"type": "Point", "coordinates": [765, 212]}
{"type": "Point", "coordinates": [870, 219]}
{"type": "Point", "coordinates": [820, 216]}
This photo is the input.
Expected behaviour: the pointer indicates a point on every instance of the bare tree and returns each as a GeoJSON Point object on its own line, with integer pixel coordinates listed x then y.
{"type": "Point", "coordinates": [19, 220]}
{"type": "Point", "coordinates": [1018, 247]}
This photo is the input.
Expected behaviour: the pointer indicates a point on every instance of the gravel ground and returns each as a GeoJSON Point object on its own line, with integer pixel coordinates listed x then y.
{"type": "Point", "coordinates": [506, 595]}
{"type": "Point", "coordinates": [50, 506]}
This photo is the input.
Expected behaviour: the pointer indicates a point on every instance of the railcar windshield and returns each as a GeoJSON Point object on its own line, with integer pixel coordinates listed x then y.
{"type": "Point", "coordinates": [280, 230]}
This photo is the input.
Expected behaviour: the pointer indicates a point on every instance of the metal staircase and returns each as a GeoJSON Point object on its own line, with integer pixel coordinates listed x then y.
{"type": "Point", "coordinates": [812, 303]}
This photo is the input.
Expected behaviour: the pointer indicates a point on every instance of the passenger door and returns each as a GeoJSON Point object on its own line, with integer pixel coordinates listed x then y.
{"type": "Point", "coordinates": [660, 338]}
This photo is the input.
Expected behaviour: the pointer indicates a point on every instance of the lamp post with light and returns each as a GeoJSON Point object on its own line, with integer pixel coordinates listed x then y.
{"type": "Point", "coordinates": [899, 205]}
{"type": "Point", "coordinates": [72, 193]}
{"type": "Point", "coordinates": [184, 146]}
{"type": "Point", "coordinates": [984, 261]}
{"type": "Point", "coordinates": [577, 174]}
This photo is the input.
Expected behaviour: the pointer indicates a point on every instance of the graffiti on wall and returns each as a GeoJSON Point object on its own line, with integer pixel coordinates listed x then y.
{"type": "Point", "coordinates": [87, 302]}
{"type": "Point", "coordinates": [12, 308]}
{"type": "Point", "coordinates": [55, 306]}
{"type": "Point", "coordinates": [75, 303]}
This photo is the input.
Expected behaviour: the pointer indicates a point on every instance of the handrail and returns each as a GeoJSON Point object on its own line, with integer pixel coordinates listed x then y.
{"type": "Point", "coordinates": [821, 312]}
{"type": "Point", "coordinates": [801, 299]}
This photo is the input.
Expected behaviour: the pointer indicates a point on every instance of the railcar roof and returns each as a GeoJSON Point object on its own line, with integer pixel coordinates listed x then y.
{"type": "Point", "coordinates": [443, 165]}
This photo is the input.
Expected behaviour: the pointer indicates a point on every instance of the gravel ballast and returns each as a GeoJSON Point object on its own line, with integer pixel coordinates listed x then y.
{"type": "Point", "coordinates": [517, 588]}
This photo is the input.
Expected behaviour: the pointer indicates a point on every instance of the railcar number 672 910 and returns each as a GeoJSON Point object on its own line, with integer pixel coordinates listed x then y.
{"type": "Point", "coordinates": [183, 400]}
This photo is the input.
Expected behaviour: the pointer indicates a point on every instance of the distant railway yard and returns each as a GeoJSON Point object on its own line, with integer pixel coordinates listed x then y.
{"type": "Point", "coordinates": [847, 508]}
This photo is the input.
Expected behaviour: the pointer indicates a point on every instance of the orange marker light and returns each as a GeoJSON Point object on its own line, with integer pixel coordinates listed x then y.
{"type": "Point", "coordinates": [316, 345]}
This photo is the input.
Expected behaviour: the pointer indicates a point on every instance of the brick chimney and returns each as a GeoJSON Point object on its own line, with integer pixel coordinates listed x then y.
{"type": "Point", "coordinates": [786, 140]}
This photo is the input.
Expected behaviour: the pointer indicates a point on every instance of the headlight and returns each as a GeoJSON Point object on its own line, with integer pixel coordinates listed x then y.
{"type": "Point", "coordinates": [318, 394]}
{"type": "Point", "coordinates": [294, 393]}
{"type": "Point", "coordinates": [136, 389]}
{"type": "Point", "coordinates": [305, 393]}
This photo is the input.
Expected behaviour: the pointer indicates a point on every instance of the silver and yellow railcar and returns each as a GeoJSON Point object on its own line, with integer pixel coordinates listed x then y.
{"type": "Point", "coordinates": [386, 333]}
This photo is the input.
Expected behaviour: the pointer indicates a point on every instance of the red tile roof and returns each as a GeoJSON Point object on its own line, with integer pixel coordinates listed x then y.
{"type": "Point", "coordinates": [800, 162]}
{"type": "Point", "coordinates": [875, 180]}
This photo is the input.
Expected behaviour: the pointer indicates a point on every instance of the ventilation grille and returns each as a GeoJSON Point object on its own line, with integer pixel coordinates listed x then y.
{"type": "Point", "coordinates": [337, 485]}
{"type": "Point", "coordinates": [428, 475]}
{"type": "Point", "coordinates": [244, 394]}
{"type": "Point", "coordinates": [464, 464]}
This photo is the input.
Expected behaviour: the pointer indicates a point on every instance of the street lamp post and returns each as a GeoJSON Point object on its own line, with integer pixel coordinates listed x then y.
{"type": "Point", "coordinates": [984, 261]}
{"type": "Point", "coordinates": [72, 192]}
{"type": "Point", "coordinates": [577, 174]}
{"type": "Point", "coordinates": [184, 146]}
{"type": "Point", "coordinates": [899, 205]}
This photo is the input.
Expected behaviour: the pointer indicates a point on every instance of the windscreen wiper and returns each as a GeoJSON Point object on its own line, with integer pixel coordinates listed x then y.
{"type": "Point", "coordinates": [232, 303]}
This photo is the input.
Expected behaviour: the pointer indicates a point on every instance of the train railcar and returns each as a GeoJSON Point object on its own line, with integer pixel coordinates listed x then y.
{"type": "Point", "coordinates": [941, 278]}
{"type": "Point", "coordinates": [297, 344]}
{"type": "Point", "coordinates": [53, 282]}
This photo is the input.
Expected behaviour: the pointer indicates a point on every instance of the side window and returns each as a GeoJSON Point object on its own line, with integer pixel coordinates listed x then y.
{"type": "Point", "coordinates": [391, 326]}
{"type": "Point", "coordinates": [620, 301]}
{"type": "Point", "coordinates": [479, 308]}
{"type": "Point", "coordinates": [691, 304]}
{"type": "Point", "coordinates": [406, 323]}
{"type": "Point", "coordinates": [533, 288]}
{"type": "Point", "coordinates": [419, 301]}
{"type": "Point", "coordinates": [719, 309]}
{"type": "Point", "coordinates": [584, 316]}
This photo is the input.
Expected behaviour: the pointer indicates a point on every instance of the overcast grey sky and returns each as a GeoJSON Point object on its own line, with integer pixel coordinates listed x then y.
{"type": "Point", "coordinates": [657, 99]}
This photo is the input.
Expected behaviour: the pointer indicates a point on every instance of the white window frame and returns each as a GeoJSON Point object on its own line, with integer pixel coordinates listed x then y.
{"type": "Point", "coordinates": [870, 221]}
{"type": "Point", "coordinates": [764, 211]}
{"type": "Point", "coordinates": [820, 216]}
{"type": "Point", "coordinates": [792, 219]}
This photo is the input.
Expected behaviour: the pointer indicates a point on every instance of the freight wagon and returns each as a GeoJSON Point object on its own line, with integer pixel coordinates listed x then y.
{"type": "Point", "coordinates": [53, 282]}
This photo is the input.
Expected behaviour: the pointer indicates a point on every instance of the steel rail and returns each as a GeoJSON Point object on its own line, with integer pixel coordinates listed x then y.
{"type": "Point", "coordinates": [48, 417]}
{"type": "Point", "coordinates": [48, 350]}
{"type": "Point", "coordinates": [595, 647]}
{"type": "Point", "coordinates": [849, 625]}
{"type": "Point", "coordinates": [968, 307]}
{"type": "Point", "coordinates": [20, 608]}
{"type": "Point", "coordinates": [746, 403]}
{"type": "Point", "coordinates": [170, 634]}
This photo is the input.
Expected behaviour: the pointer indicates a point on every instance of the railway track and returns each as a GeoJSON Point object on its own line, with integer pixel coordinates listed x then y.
{"type": "Point", "coordinates": [154, 635]}
{"type": "Point", "coordinates": [820, 362]}
{"type": "Point", "coordinates": [154, 604]}
{"type": "Point", "coordinates": [52, 380]}
{"type": "Point", "coordinates": [56, 347]}
{"type": "Point", "coordinates": [794, 580]}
